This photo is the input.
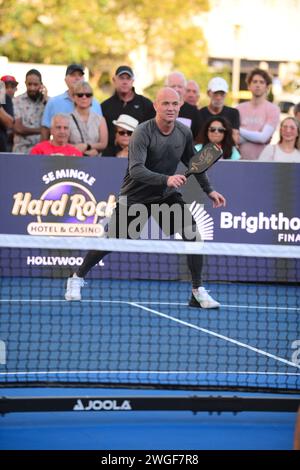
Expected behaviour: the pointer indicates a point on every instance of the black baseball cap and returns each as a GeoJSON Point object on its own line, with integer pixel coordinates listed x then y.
{"type": "Point", "coordinates": [125, 69]}
{"type": "Point", "coordinates": [74, 68]}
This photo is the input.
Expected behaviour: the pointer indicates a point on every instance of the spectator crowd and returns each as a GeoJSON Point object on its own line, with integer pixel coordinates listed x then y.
{"type": "Point", "coordinates": [75, 123]}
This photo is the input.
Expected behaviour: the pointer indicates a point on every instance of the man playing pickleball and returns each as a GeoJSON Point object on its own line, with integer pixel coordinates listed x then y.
{"type": "Point", "coordinates": [155, 149]}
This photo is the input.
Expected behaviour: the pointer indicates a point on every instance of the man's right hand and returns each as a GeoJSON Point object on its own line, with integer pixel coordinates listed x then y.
{"type": "Point", "coordinates": [176, 181]}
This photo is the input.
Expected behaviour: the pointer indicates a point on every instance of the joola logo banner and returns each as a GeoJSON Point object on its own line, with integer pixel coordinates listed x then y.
{"type": "Point", "coordinates": [102, 405]}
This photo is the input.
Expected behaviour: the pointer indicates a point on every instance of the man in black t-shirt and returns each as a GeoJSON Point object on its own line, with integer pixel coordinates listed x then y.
{"type": "Point", "coordinates": [125, 101]}
{"type": "Point", "coordinates": [217, 89]}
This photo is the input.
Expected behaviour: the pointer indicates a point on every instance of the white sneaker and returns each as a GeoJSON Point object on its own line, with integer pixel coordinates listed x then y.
{"type": "Point", "coordinates": [74, 285]}
{"type": "Point", "coordinates": [201, 298]}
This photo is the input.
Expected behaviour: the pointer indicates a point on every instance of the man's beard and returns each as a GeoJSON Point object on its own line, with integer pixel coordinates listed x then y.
{"type": "Point", "coordinates": [34, 97]}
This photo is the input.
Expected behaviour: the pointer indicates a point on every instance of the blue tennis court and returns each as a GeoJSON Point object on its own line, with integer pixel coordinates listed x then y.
{"type": "Point", "coordinates": [121, 332]}
{"type": "Point", "coordinates": [132, 336]}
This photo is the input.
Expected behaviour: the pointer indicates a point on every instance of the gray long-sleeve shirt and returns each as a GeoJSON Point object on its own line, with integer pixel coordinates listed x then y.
{"type": "Point", "coordinates": [153, 157]}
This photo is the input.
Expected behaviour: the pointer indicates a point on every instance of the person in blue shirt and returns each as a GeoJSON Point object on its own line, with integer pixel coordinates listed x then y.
{"type": "Point", "coordinates": [64, 103]}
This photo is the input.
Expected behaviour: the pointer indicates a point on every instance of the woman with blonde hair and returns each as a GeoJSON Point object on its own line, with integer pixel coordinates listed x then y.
{"type": "Point", "coordinates": [287, 149]}
{"type": "Point", "coordinates": [88, 130]}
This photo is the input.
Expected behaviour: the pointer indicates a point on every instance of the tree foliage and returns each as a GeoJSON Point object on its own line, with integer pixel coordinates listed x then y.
{"type": "Point", "coordinates": [102, 33]}
{"type": "Point", "coordinates": [56, 31]}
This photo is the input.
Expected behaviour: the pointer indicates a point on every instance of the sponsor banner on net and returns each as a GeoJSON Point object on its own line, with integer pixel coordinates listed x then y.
{"type": "Point", "coordinates": [286, 228]}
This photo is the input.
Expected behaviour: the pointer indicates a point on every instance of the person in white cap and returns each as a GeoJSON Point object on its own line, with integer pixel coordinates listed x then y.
{"type": "Point", "coordinates": [124, 127]}
{"type": "Point", "coordinates": [217, 89]}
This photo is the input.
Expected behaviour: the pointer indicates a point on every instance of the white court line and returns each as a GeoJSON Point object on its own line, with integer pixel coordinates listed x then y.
{"type": "Point", "coordinates": [183, 304]}
{"type": "Point", "coordinates": [204, 330]}
{"type": "Point", "coordinates": [254, 307]}
{"type": "Point", "coordinates": [217, 335]}
{"type": "Point", "coordinates": [136, 372]}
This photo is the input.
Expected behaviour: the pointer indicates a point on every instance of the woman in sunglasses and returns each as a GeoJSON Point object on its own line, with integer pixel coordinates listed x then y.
{"type": "Point", "coordinates": [88, 130]}
{"type": "Point", "coordinates": [218, 130]}
{"type": "Point", "coordinates": [124, 127]}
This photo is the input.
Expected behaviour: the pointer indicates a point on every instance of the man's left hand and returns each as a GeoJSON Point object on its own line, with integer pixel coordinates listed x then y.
{"type": "Point", "coordinates": [218, 199]}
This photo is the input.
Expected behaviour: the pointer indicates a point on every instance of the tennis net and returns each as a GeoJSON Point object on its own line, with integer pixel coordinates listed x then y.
{"type": "Point", "coordinates": [134, 326]}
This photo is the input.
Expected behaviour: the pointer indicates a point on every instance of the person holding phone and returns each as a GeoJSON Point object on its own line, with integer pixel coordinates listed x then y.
{"type": "Point", "coordinates": [29, 108]}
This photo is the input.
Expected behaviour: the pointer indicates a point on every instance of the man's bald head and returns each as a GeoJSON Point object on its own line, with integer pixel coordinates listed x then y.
{"type": "Point", "coordinates": [166, 105]}
{"type": "Point", "coordinates": [167, 93]}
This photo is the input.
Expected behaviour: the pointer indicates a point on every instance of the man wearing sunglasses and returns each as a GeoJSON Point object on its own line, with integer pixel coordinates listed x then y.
{"type": "Point", "coordinates": [155, 150]}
